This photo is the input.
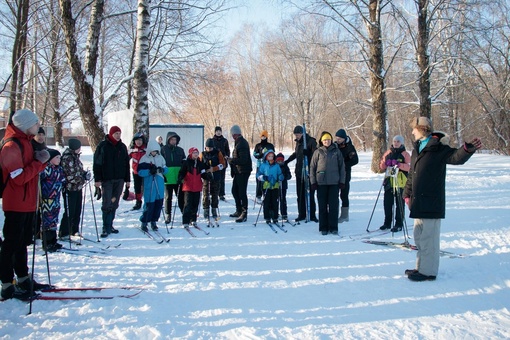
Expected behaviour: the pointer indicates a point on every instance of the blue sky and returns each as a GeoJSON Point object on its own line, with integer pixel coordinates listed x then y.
{"type": "Point", "coordinates": [258, 12]}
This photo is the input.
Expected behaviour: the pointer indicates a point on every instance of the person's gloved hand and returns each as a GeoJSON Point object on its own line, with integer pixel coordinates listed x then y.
{"type": "Point", "coordinates": [341, 186]}
{"type": "Point", "coordinates": [86, 175]}
{"type": "Point", "coordinates": [306, 153]}
{"type": "Point", "coordinates": [97, 193]}
{"type": "Point", "coordinates": [472, 146]}
{"type": "Point", "coordinates": [261, 178]}
{"type": "Point", "coordinates": [395, 162]}
{"type": "Point", "coordinates": [314, 187]}
{"type": "Point", "coordinates": [388, 162]}
{"type": "Point", "coordinates": [125, 195]}
{"type": "Point", "coordinates": [42, 156]}
{"type": "Point", "coordinates": [220, 166]}
{"type": "Point", "coordinates": [159, 170]}
{"type": "Point", "coordinates": [153, 170]}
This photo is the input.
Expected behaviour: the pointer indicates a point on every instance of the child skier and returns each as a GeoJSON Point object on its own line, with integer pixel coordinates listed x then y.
{"type": "Point", "coordinates": [52, 181]}
{"type": "Point", "coordinates": [270, 174]}
{"type": "Point", "coordinates": [136, 152]}
{"type": "Point", "coordinates": [215, 160]}
{"type": "Point", "coordinates": [191, 174]}
{"type": "Point", "coordinates": [287, 175]}
{"type": "Point", "coordinates": [152, 168]}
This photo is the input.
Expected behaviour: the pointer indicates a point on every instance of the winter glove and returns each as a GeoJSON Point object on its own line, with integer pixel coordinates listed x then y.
{"type": "Point", "coordinates": [220, 166]}
{"type": "Point", "coordinates": [306, 153]}
{"type": "Point", "coordinates": [153, 170]}
{"type": "Point", "coordinates": [256, 155]}
{"type": "Point", "coordinates": [395, 162]}
{"type": "Point", "coordinates": [474, 145]}
{"type": "Point", "coordinates": [341, 186]}
{"type": "Point", "coordinates": [42, 156]}
{"type": "Point", "coordinates": [261, 178]}
{"type": "Point", "coordinates": [314, 187]}
{"type": "Point", "coordinates": [125, 195]}
{"type": "Point", "coordinates": [86, 175]}
{"type": "Point", "coordinates": [388, 162]}
{"type": "Point", "coordinates": [159, 170]}
{"type": "Point", "coordinates": [97, 193]}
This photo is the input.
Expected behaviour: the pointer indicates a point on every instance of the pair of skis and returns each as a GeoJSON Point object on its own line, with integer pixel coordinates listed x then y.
{"type": "Point", "coordinates": [88, 293]}
{"type": "Point", "coordinates": [155, 235]}
{"type": "Point", "coordinates": [278, 225]}
{"type": "Point", "coordinates": [409, 246]}
{"type": "Point", "coordinates": [194, 225]}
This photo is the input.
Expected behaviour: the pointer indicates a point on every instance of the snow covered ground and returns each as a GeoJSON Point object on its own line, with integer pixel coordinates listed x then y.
{"type": "Point", "coordinates": [246, 282]}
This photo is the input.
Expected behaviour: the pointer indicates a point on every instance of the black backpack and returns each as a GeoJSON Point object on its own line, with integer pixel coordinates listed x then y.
{"type": "Point", "coordinates": [2, 183]}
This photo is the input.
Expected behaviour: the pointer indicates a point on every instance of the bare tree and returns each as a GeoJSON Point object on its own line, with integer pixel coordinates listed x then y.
{"type": "Point", "coordinates": [83, 75]}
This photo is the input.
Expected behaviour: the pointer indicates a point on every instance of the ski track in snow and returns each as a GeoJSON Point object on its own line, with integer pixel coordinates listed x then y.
{"type": "Point", "coordinates": [246, 282]}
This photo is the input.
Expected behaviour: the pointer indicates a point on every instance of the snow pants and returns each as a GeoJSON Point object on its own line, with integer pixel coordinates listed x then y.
{"type": "Point", "coordinates": [427, 236]}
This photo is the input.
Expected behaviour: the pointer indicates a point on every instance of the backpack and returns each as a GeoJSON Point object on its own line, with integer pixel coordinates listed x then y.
{"type": "Point", "coordinates": [2, 183]}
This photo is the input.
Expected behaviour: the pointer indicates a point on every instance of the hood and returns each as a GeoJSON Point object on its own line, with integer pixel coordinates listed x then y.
{"type": "Point", "coordinates": [137, 136]}
{"type": "Point", "coordinates": [12, 131]}
{"type": "Point", "coordinates": [153, 146]}
{"type": "Point", "coordinates": [443, 137]}
{"type": "Point", "coordinates": [268, 152]}
{"type": "Point", "coordinates": [171, 134]}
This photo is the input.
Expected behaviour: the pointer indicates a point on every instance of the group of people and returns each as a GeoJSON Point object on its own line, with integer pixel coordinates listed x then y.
{"type": "Point", "coordinates": [161, 169]}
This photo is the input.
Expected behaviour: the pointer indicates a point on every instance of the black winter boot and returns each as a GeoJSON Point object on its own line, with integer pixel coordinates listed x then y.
{"type": "Point", "coordinates": [138, 205]}
{"type": "Point", "coordinates": [242, 218]}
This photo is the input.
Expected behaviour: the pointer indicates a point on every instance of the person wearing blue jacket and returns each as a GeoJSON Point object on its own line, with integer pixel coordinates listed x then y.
{"type": "Point", "coordinates": [152, 168]}
{"type": "Point", "coordinates": [270, 174]}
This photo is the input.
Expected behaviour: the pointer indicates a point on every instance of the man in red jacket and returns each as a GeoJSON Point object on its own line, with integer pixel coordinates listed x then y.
{"type": "Point", "coordinates": [21, 167]}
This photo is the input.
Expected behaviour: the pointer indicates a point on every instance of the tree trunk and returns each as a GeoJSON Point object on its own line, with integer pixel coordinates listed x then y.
{"type": "Point", "coordinates": [377, 85]}
{"type": "Point", "coordinates": [423, 60]}
{"type": "Point", "coordinates": [84, 80]}
{"type": "Point", "coordinates": [140, 80]}
{"type": "Point", "coordinates": [18, 55]}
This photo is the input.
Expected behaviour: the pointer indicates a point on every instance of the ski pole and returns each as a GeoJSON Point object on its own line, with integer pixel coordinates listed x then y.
{"type": "Point", "coordinates": [34, 236]}
{"type": "Point", "coordinates": [93, 211]}
{"type": "Point", "coordinates": [66, 203]}
{"type": "Point", "coordinates": [375, 204]}
{"type": "Point", "coordinates": [175, 206]}
{"type": "Point", "coordinates": [261, 205]}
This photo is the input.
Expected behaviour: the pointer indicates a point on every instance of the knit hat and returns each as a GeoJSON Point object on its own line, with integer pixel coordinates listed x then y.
{"type": "Point", "coordinates": [114, 129]}
{"type": "Point", "coordinates": [74, 144]}
{"type": "Point", "coordinates": [235, 130]}
{"type": "Point", "coordinates": [422, 122]}
{"type": "Point", "coordinates": [341, 133]}
{"type": "Point", "coordinates": [298, 129]}
{"type": "Point", "coordinates": [280, 157]}
{"type": "Point", "coordinates": [191, 150]}
{"type": "Point", "coordinates": [218, 128]}
{"type": "Point", "coordinates": [209, 143]}
{"type": "Point", "coordinates": [399, 138]}
{"type": "Point", "coordinates": [53, 153]}
{"type": "Point", "coordinates": [24, 119]}
{"type": "Point", "coordinates": [264, 134]}
{"type": "Point", "coordinates": [326, 135]}
{"type": "Point", "coordinates": [41, 130]}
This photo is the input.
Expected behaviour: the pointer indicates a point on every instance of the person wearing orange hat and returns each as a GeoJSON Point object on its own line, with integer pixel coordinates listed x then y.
{"type": "Point", "coordinates": [111, 172]}
{"type": "Point", "coordinates": [258, 152]}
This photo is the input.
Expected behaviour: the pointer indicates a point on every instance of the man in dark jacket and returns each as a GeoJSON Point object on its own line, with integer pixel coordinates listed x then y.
{"type": "Point", "coordinates": [174, 157]}
{"type": "Point", "coordinates": [111, 172]}
{"type": "Point", "coordinates": [240, 167]}
{"type": "Point", "coordinates": [299, 155]}
{"type": "Point", "coordinates": [20, 168]}
{"type": "Point", "coordinates": [345, 145]}
{"type": "Point", "coordinates": [425, 192]}
{"type": "Point", "coordinates": [259, 152]}
{"type": "Point", "coordinates": [221, 144]}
